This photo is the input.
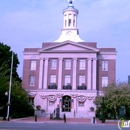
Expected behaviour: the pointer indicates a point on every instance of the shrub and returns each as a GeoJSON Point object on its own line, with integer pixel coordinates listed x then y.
{"type": "Point", "coordinates": [38, 107]}
{"type": "Point", "coordinates": [91, 108]}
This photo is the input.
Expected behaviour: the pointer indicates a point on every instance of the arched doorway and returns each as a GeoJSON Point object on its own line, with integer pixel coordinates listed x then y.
{"type": "Point", "coordinates": [66, 104]}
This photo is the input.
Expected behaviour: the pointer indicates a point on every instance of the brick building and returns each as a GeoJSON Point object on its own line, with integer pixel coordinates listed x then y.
{"type": "Point", "coordinates": [68, 72]}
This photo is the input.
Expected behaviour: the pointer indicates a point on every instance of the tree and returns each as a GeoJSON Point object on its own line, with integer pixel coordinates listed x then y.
{"type": "Point", "coordinates": [19, 97]}
{"type": "Point", "coordinates": [5, 57]}
{"type": "Point", "coordinates": [115, 96]}
{"type": "Point", "coordinates": [4, 82]}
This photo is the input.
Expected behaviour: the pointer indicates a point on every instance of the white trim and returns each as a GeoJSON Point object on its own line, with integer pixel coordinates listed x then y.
{"type": "Point", "coordinates": [89, 74]}
{"type": "Point", "coordinates": [69, 42]}
{"type": "Point", "coordinates": [40, 74]}
{"type": "Point", "coordinates": [60, 73]}
{"type": "Point", "coordinates": [108, 53]}
{"type": "Point", "coordinates": [61, 55]}
{"type": "Point", "coordinates": [94, 73]}
{"type": "Point", "coordinates": [31, 56]}
{"type": "Point", "coordinates": [74, 73]}
{"type": "Point", "coordinates": [30, 53]}
{"type": "Point", "coordinates": [106, 57]}
{"type": "Point", "coordinates": [45, 73]}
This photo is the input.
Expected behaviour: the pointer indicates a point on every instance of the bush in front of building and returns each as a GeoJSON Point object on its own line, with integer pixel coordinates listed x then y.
{"type": "Point", "coordinates": [20, 106]}
{"type": "Point", "coordinates": [91, 109]}
{"type": "Point", "coordinates": [115, 96]}
{"type": "Point", "coordinates": [28, 111]}
{"type": "Point", "coordinates": [38, 107]}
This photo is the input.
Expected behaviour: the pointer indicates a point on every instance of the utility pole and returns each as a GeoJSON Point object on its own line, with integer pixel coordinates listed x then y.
{"type": "Point", "coordinates": [10, 85]}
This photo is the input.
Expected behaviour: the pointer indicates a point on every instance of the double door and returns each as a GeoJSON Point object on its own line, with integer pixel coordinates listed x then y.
{"type": "Point", "coordinates": [66, 104]}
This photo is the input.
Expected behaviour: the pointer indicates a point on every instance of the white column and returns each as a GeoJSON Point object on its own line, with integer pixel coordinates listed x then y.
{"type": "Point", "coordinates": [75, 20]}
{"type": "Point", "coordinates": [94, 73]}
{"type": "Point", "coordinates": [67, 20]}
{"type": "Point", "coordinates": [45, 73]}
{"type": "Point", "coordinates": [40, 74]}
{"type": "Point", "coordinates": [74, 73]}
{"type": "Point", "coordinates": [89, 74]}
{"type": "Point", "coordinates": [72, 17]}
{"type": "Point", "coordinates": [64, 22]}
{"type": "Point", "coordinates": [72, 20]}
{"type": "Point", "coordinates": [60, 74]}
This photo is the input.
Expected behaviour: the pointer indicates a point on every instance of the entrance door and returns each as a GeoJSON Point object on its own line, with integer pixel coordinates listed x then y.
{"type": "Point", "coordinates": [66, 103]}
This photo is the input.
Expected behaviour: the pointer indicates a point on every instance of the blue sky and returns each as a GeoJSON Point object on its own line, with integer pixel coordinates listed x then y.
{"type": "Point", "coordinates": [28, 23]}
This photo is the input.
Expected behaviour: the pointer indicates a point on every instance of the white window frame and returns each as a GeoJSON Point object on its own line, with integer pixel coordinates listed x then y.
{"type": "Point", "coordinates": [67, 64]}
{"type": "Point", "coordinates": [82, 64]}
{"type": "Point", "coordinates": [52, 78]}
{"type": "Point", "coordinates": [31, 101]}
{"type": "Point", "coordinates": [81, 104]}
{"type": "Point", "coordinates": [33, 65]}
{"type": "Point", "coordinates": [67, 79]}
{"type": "Point", "coordinates": [104, 81]}
{"type": "Point", "coordinates": [53, 63]}
{"type": "Point", "coordinates": [81, 80]}
{"type": "Point", "coordinates": [32, 79]}
{"type": "Point", "coordinates": [104, 65]}
{"type": "Point", "coordinates": [51, 104]}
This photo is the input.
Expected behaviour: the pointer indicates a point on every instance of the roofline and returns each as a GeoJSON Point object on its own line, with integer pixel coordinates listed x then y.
{"type": "Point", "coordinates": [74, 43]}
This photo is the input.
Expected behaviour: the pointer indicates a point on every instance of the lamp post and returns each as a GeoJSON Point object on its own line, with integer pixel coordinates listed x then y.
{"type": "Point", "coordinates": [9, 93]}
{"type": "Point", "coordinates": [4, 108]}
{"type": "Point", "coordinates": [6, 94]}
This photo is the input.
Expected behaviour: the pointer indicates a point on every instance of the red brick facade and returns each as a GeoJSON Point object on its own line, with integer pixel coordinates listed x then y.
{"type": "Point", "coordinates": [29, 53]}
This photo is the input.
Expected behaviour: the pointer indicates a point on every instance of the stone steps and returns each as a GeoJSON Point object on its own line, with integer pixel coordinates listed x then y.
{"type": "Point", "coordinates": [68, 114]}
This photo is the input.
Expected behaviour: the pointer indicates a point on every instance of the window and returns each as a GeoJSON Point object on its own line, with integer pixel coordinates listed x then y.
{"type": "Point", "coordinates": [32, 80]}
{"type": "Point", "coordinates": [81, 104]}
{"type": "Point", "coordinates": [74, 20]}
{"type": "Point", "coordinates": [53, 64]}
{"type": "Point", "coordinates": [67, 64]}
{"type": "Point", "coordinates": [53, 79]}
{"type": "Point", "coordinates": [51, 103]}
{"type": "Point", "coordinates": [81, 64]}
{"type": "Point", "coordinates": [67, 79]}
{"type": "Point", "coordinates": [81, 80]}
{"type": "Point", "coordinates": [33, 65]}
{"type": "Point", "coordinates": [104, 81]}
{"type": "Point", "coordinates": [69, 24]}
{"type": "Point", "coordinates": [104, 65]}
{"type": "Point", "coordinates": [74, 23]}
{"type": "Point", "coordinates": [31, 101]}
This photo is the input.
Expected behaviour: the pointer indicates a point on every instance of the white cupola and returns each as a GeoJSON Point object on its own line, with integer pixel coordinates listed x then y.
{"type": "Point", "coordinates": [70, 30]}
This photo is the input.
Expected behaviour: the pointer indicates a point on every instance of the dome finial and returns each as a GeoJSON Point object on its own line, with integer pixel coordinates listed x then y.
{"type": "Point", "coordinates": [70, 2]}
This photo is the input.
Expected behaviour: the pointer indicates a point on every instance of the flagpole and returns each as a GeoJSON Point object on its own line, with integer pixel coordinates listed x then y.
{"type": "Point", "coordinates": [10, 84]}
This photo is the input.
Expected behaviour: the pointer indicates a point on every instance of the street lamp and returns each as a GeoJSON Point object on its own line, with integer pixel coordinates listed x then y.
{"type": "Point", "coordinates": [4, 108]}
{"type": "Point", "coordinates": [6, 93]}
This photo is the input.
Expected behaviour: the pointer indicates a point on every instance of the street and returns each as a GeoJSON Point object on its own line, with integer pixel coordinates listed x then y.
{"type": "Point", "coordinates": [54, 126]}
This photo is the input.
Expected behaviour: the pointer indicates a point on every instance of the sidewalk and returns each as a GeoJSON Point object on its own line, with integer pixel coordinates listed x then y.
{"type": "Point", "coordinates": [68, 120]}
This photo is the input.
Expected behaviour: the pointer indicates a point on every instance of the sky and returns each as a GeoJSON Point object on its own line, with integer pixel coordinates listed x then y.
{"type": "Point", "coordinates": [28, 23]}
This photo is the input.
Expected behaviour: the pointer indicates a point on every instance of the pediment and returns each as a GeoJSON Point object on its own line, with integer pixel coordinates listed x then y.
{"type": "Point", "coordinates": [69, 46]}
